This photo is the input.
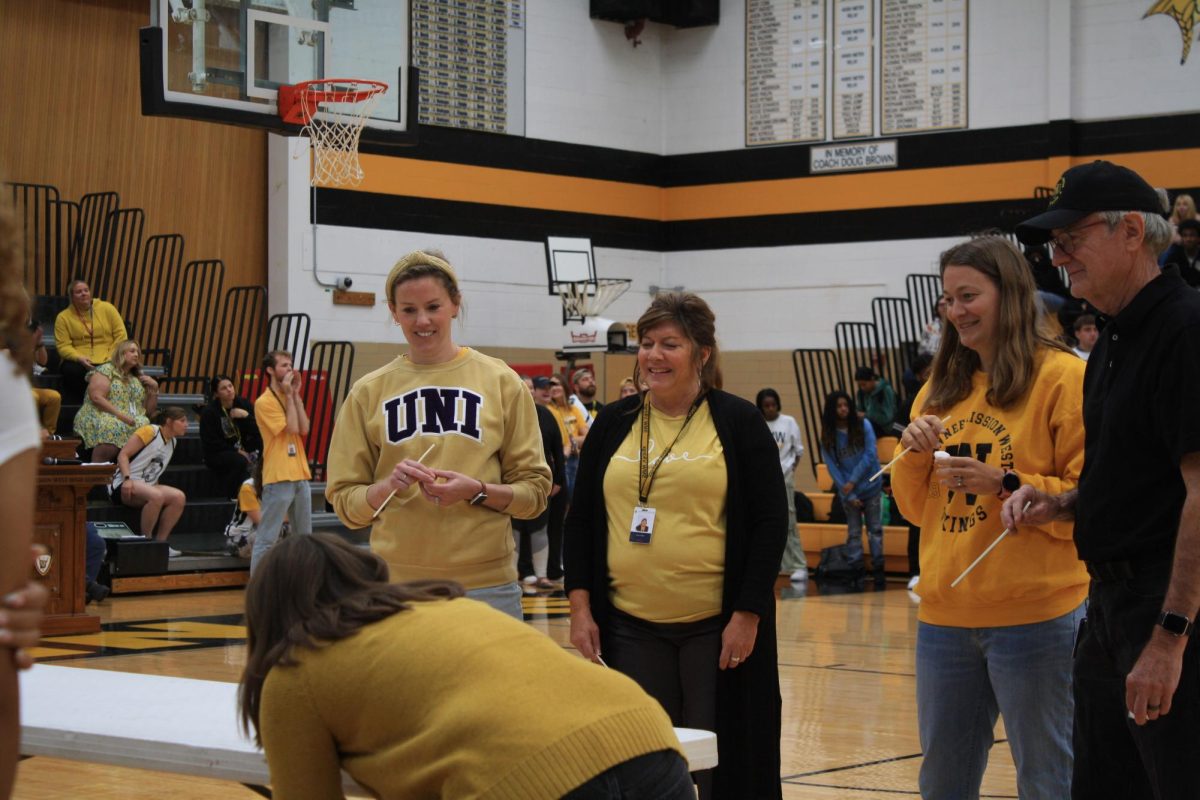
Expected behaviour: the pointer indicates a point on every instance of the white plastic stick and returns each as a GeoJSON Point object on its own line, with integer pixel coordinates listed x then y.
{"type": "Point", "coordinates": [885, 467]}
{"type": "Point", "coordinates": [388, 499]}
{"type": "Point", "coordinates": [985, 552]}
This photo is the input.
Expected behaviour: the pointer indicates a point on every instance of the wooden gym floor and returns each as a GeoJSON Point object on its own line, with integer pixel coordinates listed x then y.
{"type": "Point", "coordinates": [846, 674]}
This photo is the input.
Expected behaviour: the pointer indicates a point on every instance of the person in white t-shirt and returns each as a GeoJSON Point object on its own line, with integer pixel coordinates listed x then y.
{"type": "Point", "coordinates": [20, 438]}
{"type": "Point", "coordinates": [1086, 335]}
{"type": "Point", "coordinates": [140, 464]}
{"type": "Point", "coordinates": [791, 446]}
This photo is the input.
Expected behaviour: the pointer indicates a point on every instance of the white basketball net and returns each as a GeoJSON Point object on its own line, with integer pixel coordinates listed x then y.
{"type": "Point", "coordinates": [335, 130]}
{"type": "Point", "coordinates": [583, 299]}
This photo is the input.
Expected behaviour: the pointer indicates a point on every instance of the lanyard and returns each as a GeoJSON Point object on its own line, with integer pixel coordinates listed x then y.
{"type": "Point", "coordinates": [645, 474]}
{"type": "Point", "coordinates": [237, 434]}
{"type": "Point", "coordinates": [278, 399]}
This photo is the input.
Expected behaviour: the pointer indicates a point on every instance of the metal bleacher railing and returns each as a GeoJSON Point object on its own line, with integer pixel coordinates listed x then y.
{"type": "Point", "coordinates": [189, 325]}
{"type": "Point", "coordinates": [888, 344]}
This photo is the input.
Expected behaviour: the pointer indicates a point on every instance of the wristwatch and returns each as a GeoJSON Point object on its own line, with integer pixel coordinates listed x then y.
{"type": "Point", "coordinates": [482, 497]}
{"type": "Point", "coordinates": [1009, 483]}
{"type": "Point", "coordinates": [1176, 624]}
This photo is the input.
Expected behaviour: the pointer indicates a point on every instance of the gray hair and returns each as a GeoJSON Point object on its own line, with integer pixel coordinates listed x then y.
{"type": "Point", "coordinates": [1158, 233]}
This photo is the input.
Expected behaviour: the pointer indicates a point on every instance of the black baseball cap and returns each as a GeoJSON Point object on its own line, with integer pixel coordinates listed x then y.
{"type": "Point", "coordinates": [541, 382]}
{"type": "Point", "coordinates": [1086, 189]}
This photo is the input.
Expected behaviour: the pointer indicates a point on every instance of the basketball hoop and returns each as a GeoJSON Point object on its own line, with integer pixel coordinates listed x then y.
{"type": "Point", "coordinates": [334, 132]}
{"type": "Point", "coordinates": [583, 299]}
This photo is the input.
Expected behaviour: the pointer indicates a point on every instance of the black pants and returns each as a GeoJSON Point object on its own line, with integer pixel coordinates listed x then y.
{"type": "Point", "coordinates": [230, 469]}
{"type": "Point", "coordinates": [554, 532]}
{"type": "Point", "coordinates": [74, 381]}
{"type": "Point", "coordinates": [654, 776]}
{"type": "Point", "coordinates": [675, 663]}
{"type": "Point", "coordinates": [1113, 756]}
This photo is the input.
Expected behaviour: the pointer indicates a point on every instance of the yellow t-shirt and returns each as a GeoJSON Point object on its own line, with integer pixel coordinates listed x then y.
{"type": "Point", "coordinates": [571, 426]}
{"type": "Point", "coordinates": [679, 575]}
{"type": "Point", "coordinates": [283, 455]}
{"type": "Point", "coordinates": [247, 499]}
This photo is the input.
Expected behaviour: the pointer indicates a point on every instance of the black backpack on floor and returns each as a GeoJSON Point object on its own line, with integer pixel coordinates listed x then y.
{"type": "Point", "coordinates": [836, 566]}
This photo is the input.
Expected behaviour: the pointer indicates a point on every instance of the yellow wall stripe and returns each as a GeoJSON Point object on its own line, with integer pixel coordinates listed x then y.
{"type": "Point", "coordinates": [846, 192]}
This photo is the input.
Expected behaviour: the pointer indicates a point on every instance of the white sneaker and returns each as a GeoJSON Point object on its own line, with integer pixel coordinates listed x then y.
{"type": "Point", "coordinates": [173, 553]}
{"type": "Point", "coordinates": [800, 575]}
{"type": "Point", "coordinates": [913, 581]}
{"type": "Point", "coordinates": [529, 579]}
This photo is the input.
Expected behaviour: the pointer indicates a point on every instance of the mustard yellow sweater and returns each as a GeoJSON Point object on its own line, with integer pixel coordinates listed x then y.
{"type": "Point", "coordinates": [1034, 575]}
{"type": "Point", "coordinates": [71, 337]}
{"type": "Point", "coordinates": [451, 699]}
{"type": "Point", "coordinates": [483, 423]}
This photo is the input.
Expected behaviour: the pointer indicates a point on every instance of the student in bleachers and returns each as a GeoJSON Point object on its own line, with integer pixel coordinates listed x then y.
{"type": "Point", "coordinates": [450, 516]}
{"type": "Point", "coordinates": [240, 532]}
{"type": "Point", "coordinates": [786, 433]}
{"type": "Point", "coordinates": [1086, 334]}
{"type": "Point", "coordinates": [419, 692]}
{"type": "Point", "coordinates": [848, 450]}
{"type": "Point", "coordinates": [1186, 254]}
{"type": "Point", "coordinates": [876, 400]}
{"type": "Point", "coordinates": [998, 643]}
{"type": "Point", "coordinates": [120, 400]}
{"type": "Point", "coordinates": [229, 435]}
{"type": "Point", "coordinates": [48, 401]}
{"type": "Point", "coordinates": [85, 334]}
{"type": "Point", "coordinates": [931, 335]}
{"type": "Point", "coordinates": [628, 389]}
{"type": "Point", "coordinates": [140, 464]}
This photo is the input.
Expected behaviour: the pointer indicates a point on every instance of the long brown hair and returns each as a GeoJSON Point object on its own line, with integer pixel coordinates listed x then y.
{"type": "Point", "coordinates": [310, 591]}
{"type": "Point", "coordinates": [697, 322]}
{"type": "Point", "coordinates": [1020, 335]}
{"type": "Point", "coordinates": [14, 301]}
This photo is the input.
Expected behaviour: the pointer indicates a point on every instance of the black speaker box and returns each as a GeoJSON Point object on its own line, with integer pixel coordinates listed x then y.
{"type": "Point", "coordinates": [128, 554]}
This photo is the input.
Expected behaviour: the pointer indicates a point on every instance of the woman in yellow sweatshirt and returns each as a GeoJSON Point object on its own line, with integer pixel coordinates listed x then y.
{"type": "Point", "coordinates": [450, 518]}
{"type": "Point", "coordinates": [1000, 641]}
{"type": "Point", "coordinates": [418, 692]}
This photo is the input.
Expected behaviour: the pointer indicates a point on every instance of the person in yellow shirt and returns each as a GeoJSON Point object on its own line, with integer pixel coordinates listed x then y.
{"type": "Point", "coordinates": [283, 423]}
{"type": "Point", "coordinates": [451, 514]}
{"type": "Point", "coordinates": [573, 425]}
{"type": "Point", "coordinates": [85, 334]}
{"type": "Point", "coordinates": [673, 544]}
{"type": "Point", "coordinates": [419, 692]}
{"type": "Point", "coordinates": [999, 642]}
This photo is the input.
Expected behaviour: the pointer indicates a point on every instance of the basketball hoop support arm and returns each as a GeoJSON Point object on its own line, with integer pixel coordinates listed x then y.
{"type": "Point", "coordinates": [196, 16]}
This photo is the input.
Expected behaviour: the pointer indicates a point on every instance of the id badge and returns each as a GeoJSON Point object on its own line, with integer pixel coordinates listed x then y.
{"type": "Point", "coordinates": [292, 449]}
{"type": "Point", "coordinates": [641, 527]}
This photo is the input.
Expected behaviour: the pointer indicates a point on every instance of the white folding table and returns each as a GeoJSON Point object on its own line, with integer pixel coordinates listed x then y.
{"type": "Point", "coordinates": [172, 724]}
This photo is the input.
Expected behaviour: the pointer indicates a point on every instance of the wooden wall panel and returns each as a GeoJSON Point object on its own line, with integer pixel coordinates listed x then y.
{"type": "Point", "coordinates": [69, 76]}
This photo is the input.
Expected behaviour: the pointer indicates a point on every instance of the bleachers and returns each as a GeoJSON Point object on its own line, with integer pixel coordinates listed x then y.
{"type": "Point", "coordinates": [189, 327]}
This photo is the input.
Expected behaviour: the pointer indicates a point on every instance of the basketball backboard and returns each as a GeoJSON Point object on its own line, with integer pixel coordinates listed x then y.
{"type": "Point", "coordinates": [224, 60]}
{"type": "Point", "coordinates": [569, 260]}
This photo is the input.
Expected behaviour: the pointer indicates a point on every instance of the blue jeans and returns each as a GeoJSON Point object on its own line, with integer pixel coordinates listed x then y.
{"type": "Point", "coordinates": [505, 598]}
{"type": "Point", "coordinates": [571, 467]}
{"type": "Point", "coordinates": [854, 524]}
{"type": "Point", "coordinates": [277, 500]}
{"type": "Point", "coordinates": [966, 676]}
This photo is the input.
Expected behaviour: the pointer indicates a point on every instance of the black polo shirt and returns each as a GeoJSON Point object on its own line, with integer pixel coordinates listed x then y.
{"type": "Point", "coordinates": [1141, 409]}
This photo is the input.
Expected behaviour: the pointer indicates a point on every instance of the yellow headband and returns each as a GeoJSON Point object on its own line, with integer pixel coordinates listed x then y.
{"type": "Point", "coordinates": [417, 258]}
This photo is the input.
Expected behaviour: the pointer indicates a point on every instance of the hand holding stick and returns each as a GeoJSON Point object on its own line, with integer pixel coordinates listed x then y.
{"type": "Point", "coordinates": [886, 466]}
{"type": "Point", "coordinates": [388, 499]}
{"type": "Point", "coordinates": [975, 563]}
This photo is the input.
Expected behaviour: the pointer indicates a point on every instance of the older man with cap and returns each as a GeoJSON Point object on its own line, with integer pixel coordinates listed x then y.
{"type": "Point", "coordinates": [1137, 507]}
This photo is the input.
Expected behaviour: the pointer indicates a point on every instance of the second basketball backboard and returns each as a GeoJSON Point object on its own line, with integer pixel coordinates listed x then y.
{"type": "Point", "coordinates": [224, 60]}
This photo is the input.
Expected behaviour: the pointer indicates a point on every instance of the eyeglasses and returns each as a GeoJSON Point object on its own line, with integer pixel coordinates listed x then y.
{"type": "Point", "coordinates": [1067, 241]}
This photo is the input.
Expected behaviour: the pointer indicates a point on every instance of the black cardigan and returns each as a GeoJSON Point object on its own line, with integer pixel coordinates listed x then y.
{"type": "Point", "coordinates": [212, 437]}
{"type": "Point", "coordinates": [748, 701]}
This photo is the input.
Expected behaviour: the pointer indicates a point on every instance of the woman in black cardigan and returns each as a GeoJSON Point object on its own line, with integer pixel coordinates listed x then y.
{"type": "Point", "coordinates": [687, 609]}
{"type": "Point", "coordinates": [229, 436]}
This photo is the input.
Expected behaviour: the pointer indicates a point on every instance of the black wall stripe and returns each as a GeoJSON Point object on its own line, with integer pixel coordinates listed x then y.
{"type": "Point", "coordinates": [392, 212]}
{"type": "Point", "coordinates": [918, 151]}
